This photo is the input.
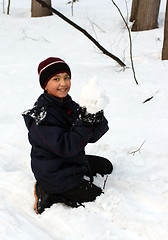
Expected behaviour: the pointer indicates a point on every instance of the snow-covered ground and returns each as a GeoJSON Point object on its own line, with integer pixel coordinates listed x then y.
{"type": "Point", "coordinates": [135, 203]}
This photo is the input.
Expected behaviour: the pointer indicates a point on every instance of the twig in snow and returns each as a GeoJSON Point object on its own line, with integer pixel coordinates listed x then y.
{"type": "Point", "coordinates": [139, 149]}
{"type": "Point", "coordinates": [33, 39]}
{"type": "Point", "coordinates": [105, 182]}
{"type": "Point", "coordinates": [148, 99]}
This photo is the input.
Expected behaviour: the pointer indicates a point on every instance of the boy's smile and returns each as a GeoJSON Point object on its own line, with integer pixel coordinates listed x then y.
{"type": "Point", "coordinates": [59, 85]}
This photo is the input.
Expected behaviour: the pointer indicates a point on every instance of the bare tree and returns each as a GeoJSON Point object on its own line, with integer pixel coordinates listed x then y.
{"type": "Point", "coordinates": [165, 42]}
{"type": "Point", "coordinates": [38, 10]}
{"type": "Point", "coordinates": [145, 14]}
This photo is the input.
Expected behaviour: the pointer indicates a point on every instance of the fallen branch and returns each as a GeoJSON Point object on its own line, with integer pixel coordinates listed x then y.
{"type": "Point", "coordinates": [83, 31]}
{"type": "Point", "coordinates": [148, 99]}
{"type": "Point", "coordinates": [129, 32]}
{"type": "Point", "coordinates": [139, 149]}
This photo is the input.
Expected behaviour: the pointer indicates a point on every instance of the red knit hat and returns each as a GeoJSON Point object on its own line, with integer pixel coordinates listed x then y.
{"type": "Point", "coordinates": [50, 67]}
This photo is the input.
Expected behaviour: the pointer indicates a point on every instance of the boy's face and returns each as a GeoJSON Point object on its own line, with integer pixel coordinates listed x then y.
{"type": "Point", "coordinates": [59, 85]}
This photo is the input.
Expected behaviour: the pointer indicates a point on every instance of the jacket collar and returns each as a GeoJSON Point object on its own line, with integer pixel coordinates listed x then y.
{"type": "Point", "coordinates": [56, 100]}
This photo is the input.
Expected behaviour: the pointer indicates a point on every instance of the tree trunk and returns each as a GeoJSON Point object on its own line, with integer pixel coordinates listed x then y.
{"type": "Point", "coordinates": [165, 42]}
{"type": "Point", "coordinates": [146, 15]}
{"type": "Point", "coordinates": [38, 11]}
{"type": "Point", "coordinates": [8, 8]}
{"type": "Point", "coordinates": [134, 10]}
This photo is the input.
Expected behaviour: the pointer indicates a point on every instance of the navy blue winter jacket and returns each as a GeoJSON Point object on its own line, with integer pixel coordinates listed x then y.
{"type": "Point", "coordinates": [58, 140]}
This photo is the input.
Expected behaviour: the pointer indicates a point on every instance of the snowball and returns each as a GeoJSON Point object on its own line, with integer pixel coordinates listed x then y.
{"type": "Point", "coordinates": [93, 96]}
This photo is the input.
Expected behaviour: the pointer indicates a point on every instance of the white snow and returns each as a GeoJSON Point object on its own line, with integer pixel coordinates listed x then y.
{"type": "Point", "coordinates": [93, 96]}
{"type": "Point", "coordinates": [135, 203]}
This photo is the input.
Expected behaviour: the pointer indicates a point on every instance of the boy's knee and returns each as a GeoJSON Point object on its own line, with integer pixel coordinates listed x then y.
{"type": "Point", "coordinates": [109, 167]}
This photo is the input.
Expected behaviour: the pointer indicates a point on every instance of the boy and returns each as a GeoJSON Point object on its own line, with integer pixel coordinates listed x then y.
{"type": "Point", "coordinates": [59, 129]}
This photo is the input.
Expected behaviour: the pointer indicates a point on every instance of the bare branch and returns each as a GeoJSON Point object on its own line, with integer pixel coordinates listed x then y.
{"type": "Point", "coordinates": [83, 31]}
{"type": "Point", "coordinates": [129, 32]}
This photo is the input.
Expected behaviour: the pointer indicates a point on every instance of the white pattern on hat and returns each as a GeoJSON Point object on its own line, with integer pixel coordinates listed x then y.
{"type": "Point", "coordinates": [50, 65]}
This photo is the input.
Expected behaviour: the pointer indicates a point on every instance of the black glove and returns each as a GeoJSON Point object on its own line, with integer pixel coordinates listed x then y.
{"type": "Point", "coordinates": [90, 118]}
{"type": "Point", "coordinates": [99, 116]}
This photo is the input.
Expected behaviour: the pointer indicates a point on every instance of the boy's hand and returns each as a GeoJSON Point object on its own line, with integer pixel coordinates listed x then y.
{"type": "Point", "coordinates": [90, 118]}
{"type": "Point", "coordinates": [99, 116]}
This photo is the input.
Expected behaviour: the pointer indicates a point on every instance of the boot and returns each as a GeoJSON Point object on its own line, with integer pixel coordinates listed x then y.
{"type": "Point", "coordinates": [42, 199]}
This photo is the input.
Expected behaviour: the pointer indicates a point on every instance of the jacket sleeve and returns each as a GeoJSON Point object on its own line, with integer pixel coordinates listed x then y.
{"type": "Point", "coordinates": [62, 142]}
{"type": "Point", "coordinates": [98, 130]}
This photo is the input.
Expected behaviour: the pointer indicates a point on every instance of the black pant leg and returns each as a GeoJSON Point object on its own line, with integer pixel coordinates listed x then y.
{"type": "Point", "coordinates": [99, 165]}
{"type": "Point", "coordinates": [84, 192]}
